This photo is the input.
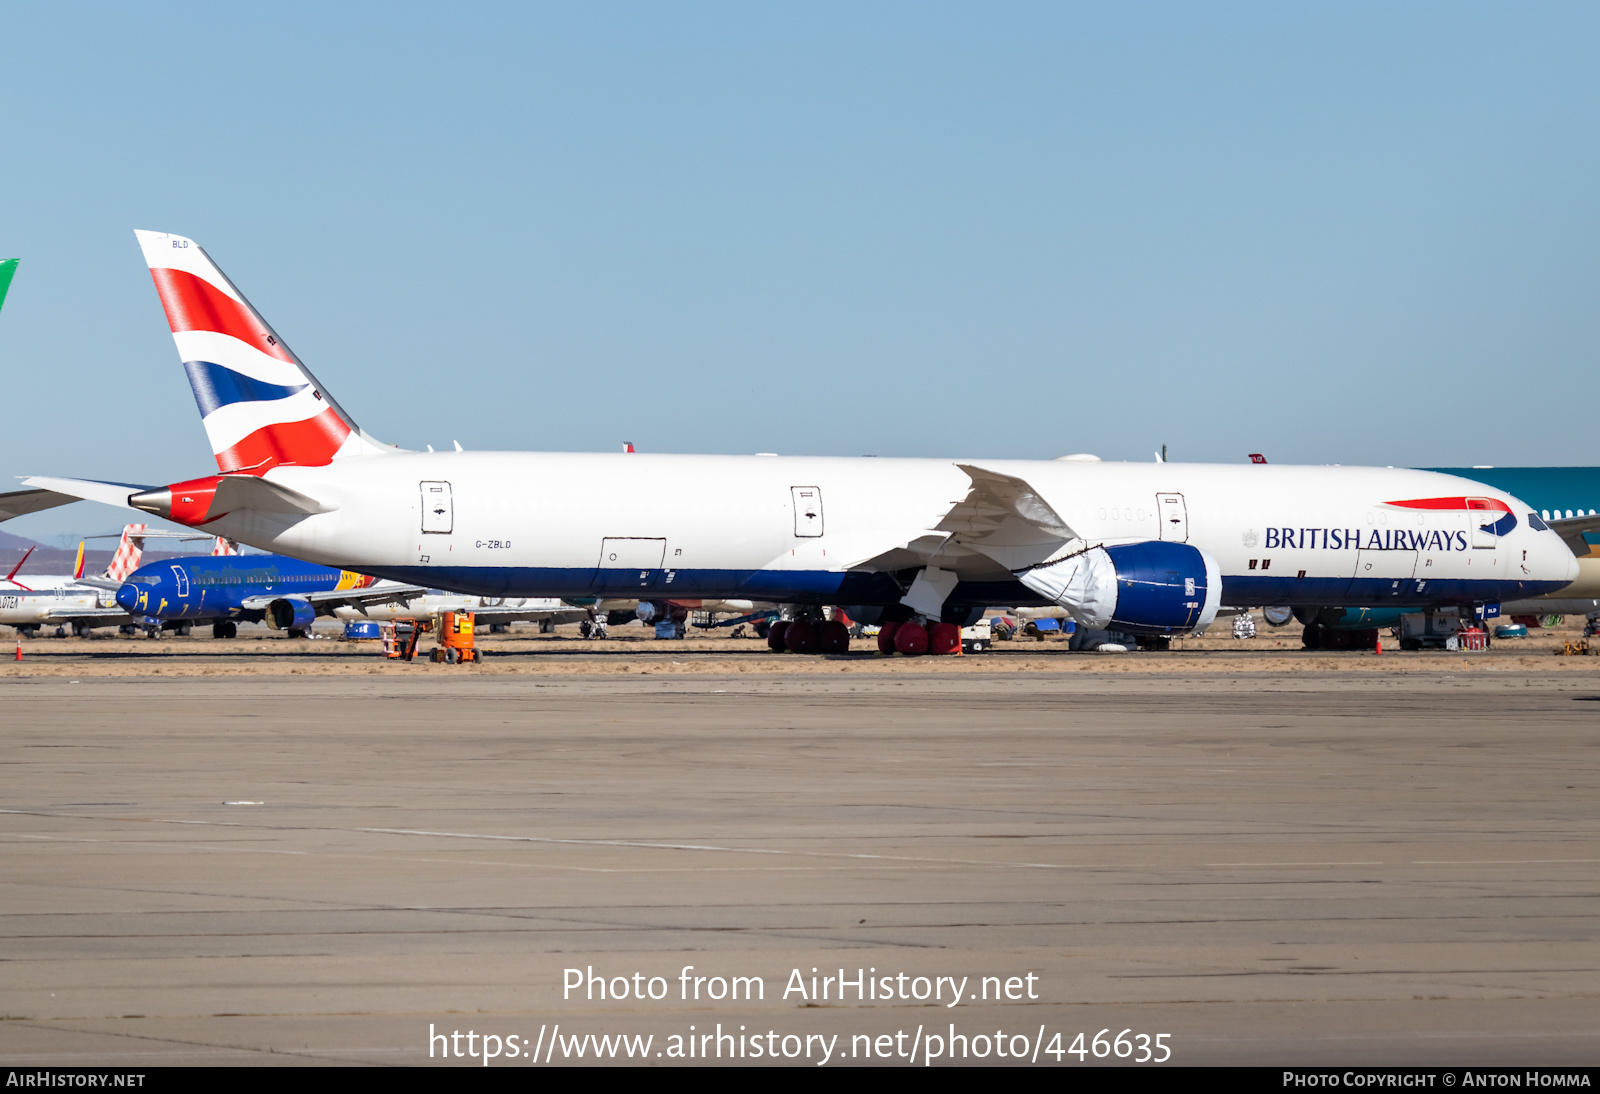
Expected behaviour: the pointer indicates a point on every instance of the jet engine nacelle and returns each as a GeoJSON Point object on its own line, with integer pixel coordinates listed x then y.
{"type": "Point", "coordinates": [1153, 587]}
{"type": "Point", "coordinates": [290, 613]}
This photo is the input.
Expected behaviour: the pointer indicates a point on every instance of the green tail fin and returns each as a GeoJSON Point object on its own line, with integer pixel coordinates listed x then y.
{"type": "Point", "coordinates": [8, 269]}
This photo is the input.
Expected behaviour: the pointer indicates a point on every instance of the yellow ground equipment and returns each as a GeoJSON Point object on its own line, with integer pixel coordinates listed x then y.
{"type": "Point", "coordinates": [455, 640]}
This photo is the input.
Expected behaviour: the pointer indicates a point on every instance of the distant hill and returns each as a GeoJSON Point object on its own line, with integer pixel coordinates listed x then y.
{"type": "Point", "coordinates": [9, 542]}
{"type": "Point", "coordinates": [53, 560]}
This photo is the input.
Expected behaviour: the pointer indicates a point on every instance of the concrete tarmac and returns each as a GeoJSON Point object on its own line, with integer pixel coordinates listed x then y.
{"type": "Point", "coordinates": [1291, 868]}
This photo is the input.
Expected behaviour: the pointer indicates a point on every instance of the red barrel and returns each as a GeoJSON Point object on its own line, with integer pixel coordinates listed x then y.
{"type": "Point", "coordinates": [944, 638]}
{"type": "Point", "coordinates": [801, 637]}
{"type": "Point", "coordinates": [775, 635]}
{"type": "Point", "coordinates": [886, 637]}
{"type": "Point", "coordinates": [911, 639]}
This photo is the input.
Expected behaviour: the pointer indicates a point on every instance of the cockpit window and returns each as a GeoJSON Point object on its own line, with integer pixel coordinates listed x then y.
{"type": "Point", "coordinates": [1536, 524]}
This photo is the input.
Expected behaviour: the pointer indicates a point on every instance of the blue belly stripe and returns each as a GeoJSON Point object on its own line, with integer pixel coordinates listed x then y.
{"type": "Point", "coordinates": [830, 587]}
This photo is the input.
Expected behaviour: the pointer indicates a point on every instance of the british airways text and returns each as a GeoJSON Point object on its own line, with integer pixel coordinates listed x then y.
{"type": "Point", "coordinates": [1377, 539]}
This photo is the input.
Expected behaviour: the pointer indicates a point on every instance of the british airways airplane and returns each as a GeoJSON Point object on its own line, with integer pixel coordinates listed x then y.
{"type": "Point", "coordinates": [1152, 549]}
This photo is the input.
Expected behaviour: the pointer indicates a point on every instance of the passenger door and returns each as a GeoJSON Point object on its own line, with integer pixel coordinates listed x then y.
{"type": "Point", "coordinates": [438, 508]}
{"type": "Point", "coordinates": [807, 511]}
{"type": "Point", "coordinates": [629, 563]}
{"type": "Point", "coordinates": [1174, 517]}
{"type": "Point", "coordinates": [1481, 512]}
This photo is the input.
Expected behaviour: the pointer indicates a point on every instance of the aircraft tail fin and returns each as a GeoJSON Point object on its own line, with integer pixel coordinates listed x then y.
{"type": "Point", "coordinates": [8, 270]}
{"type": "Point", "coordinates": [77, 566]}
{"type": "Point", "coordinates": [260, 404]}
{"type": "Point", "coordinates": [129, 551]}
{"type": "Point", "coordinates": [11, 577]}
{"type": "Point", "coordinates": [224, 546]}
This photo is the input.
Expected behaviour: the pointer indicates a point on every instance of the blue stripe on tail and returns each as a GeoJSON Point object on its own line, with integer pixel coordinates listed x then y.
{"type": "Point", "coordinates": [215, 386]}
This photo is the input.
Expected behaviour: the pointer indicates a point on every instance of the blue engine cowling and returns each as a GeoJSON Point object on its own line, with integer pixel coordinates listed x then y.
{"type": "Point", "coordinates": [1148, 588]}
{"type": "Point", "coordinates": [290, 613]}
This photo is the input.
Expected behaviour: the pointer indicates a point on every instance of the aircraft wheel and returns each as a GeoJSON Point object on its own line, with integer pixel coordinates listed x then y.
{"type": "Point", "coordinates": [775, 635]}
{"type": "Point", "coordinates": [184, 629]}
{"type": "Point", "coordinates": [81, 630]}
{"type": "Point", "coordinates": [944, 638]}
{"type": "Point", "coordinates": [152, 632]}
{"type": "Point", "coordinates": [886, 634]}
{"type": "Point", "coordinates": [911, 639]}
{"type": "Point", "coordinates": [296, 632]}
{"type": "Point", "coordinates": [833, 637]}
{"type": "Point", "coordinates": [1312, 636]}
{"type": "Point", "coordinates": [801, 637]}
{"type": "Point", "coordinates": [762, 627]}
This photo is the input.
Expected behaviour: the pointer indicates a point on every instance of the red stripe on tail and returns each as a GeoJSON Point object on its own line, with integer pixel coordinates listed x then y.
{"type": "Point", "coordinates": [308, 443]}
{"type": "Point", "coordinates": [192, 303]}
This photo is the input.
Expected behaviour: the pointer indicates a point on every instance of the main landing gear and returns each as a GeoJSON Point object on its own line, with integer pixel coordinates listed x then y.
{"type": "Point", "coordinates": [808, 636]}
{"type": "Point", "coordinates": [911, 638]}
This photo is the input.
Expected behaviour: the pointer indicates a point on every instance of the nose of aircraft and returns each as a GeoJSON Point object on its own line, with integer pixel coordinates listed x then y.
{"type": "Point", "coordinates": [127, 597]}
{"type": "Point", "coordinates": [1573, 569]}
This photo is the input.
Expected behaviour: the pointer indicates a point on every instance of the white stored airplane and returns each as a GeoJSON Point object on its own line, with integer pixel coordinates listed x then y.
{"type": "Point", "coordinates": [31, 601]}
{"type": "Point", "coordinates": [1151, 549]}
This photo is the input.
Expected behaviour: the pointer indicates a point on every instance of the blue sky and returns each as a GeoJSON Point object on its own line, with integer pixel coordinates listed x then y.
{"type": "Point", "coordinates": [1334, 234]}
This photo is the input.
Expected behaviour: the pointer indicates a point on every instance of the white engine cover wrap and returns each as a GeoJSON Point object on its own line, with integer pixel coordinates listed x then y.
{"type": "Point", "coordinates": [1084, 584]}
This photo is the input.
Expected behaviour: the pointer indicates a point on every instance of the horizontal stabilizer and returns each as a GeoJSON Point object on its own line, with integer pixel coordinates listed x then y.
{"type": "Point", "coordinates": [21, 502]}
{"type": "Point", "coordinates": [108, 493]}
{"type": "Point", "coordinates": [236, 492]}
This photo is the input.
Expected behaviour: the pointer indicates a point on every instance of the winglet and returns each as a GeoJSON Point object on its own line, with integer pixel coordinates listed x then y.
{"type": "Point", "coordinates": [18, 566]}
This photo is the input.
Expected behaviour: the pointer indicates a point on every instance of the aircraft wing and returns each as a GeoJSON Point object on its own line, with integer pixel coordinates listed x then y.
{"type": "Point", "coordinates": [21, 502]}
{"type": "Point", "coordinates": [525, 615]}
{"type": "Point", "coordinates": [99, 583]}
{"type": "Point", "coordinates": [1571, 530]}
{"type": "Point", "coordinates": [329, 599]}
{"type": "Point", "coordinates": [98, 616]}
{"type": "Point", "coordinates": [1002, 520]}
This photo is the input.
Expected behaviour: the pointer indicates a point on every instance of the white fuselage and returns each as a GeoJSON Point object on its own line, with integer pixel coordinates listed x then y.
{"type": "Point", "coordinates": [833, 530]}
{"type": "Point", "coordinates": [43, 598]}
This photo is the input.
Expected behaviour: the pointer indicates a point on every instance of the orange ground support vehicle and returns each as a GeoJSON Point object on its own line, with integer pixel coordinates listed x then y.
{"type": "Point", "coordinates": [455, 640]}
{"type": "Point", "coordinates": [400, 639]}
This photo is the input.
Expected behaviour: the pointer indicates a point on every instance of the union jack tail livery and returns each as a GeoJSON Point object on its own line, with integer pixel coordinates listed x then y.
{"type": "Point", "coordinates": [129, 550]}
{"type": "Point", "coordinates": [260, 404]}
